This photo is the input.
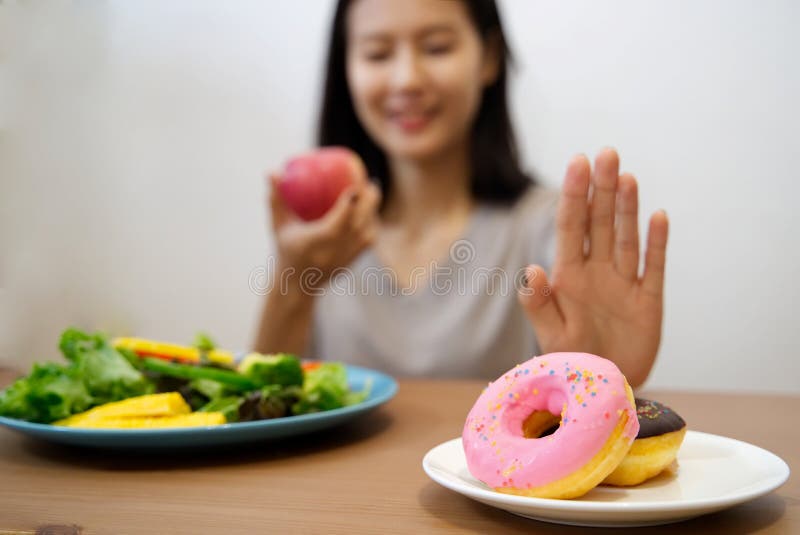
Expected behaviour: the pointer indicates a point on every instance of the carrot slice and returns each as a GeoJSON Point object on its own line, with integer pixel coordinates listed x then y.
{"type": "Point", "coordinates": [309, 365]}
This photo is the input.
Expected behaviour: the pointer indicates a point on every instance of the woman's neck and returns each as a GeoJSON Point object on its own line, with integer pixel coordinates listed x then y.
{"type": "Point", "coordinates": [425, 192]}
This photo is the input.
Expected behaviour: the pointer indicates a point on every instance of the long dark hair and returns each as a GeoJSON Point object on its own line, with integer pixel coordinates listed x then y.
{"type": "Point", "coordinates": [496, 173]}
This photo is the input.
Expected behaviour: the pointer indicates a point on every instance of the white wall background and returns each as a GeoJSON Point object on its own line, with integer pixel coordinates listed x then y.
{"type": "Point", "coordinates": [134, 137]}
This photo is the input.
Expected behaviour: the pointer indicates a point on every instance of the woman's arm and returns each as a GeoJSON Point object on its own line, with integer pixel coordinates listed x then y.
{"type": "Point", "coordinates": [286, 320]}
{"type": "Point", "coordinates": [308, 252]}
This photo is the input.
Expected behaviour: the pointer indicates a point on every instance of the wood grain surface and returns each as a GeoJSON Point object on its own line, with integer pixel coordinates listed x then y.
{"type": "Point", "coordinates": [363, 477]}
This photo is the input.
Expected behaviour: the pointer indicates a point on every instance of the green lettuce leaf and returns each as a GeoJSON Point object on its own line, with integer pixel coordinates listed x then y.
{"type": "Point", "coordinates": [107, 374]}
{"type": "Point", "coordinates": [50, 392]}
{"type": "Point", "coordinates": [96, 374]}
{"type": "Point", "coordinates": [326, 388]}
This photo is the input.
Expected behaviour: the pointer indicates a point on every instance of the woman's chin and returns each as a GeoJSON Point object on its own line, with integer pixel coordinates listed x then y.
{"type": "Point", "coordinates": [418, 148]}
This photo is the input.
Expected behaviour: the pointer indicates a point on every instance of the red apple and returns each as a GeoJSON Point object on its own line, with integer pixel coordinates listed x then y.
{"type": "Point", "coordinates": [312, 182]}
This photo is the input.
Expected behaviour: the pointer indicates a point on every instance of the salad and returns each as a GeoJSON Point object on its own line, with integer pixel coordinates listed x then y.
{"type": "Point", "coordinates": [137, 383]}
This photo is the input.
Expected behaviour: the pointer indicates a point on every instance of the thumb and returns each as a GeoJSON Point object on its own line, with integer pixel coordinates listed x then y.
{"type": "Point", "coordinates": [539, 304]}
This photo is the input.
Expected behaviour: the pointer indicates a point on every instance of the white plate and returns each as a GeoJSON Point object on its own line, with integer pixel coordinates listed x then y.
{"type": "Point", "coordinates": [714, 473]}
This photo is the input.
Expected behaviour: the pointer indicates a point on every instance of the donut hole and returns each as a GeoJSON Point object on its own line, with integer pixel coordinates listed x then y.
{"type": "Point", "coordinates": [540, 424]}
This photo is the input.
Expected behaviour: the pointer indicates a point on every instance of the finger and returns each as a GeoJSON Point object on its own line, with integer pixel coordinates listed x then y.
{"type": "Point", "coordinates": [656, 254]}
{"type": "Point", "coordinates": [626, 235]}
{"type": "Point", "coordinates": [279, 212]}
{"type": "Point", "coordinates": [601, 216]}
{"type": "Point", "coordinates": [365, 220]}
{"type": "Point", "coordinates": [367, 206]}
{"type": "Point", "coordinates": [364, 239]}
{"type": "Point", "coordinates": [339, 217]}
{"type": "Point", "coordinates": [538, 302]}
{"type": "Point", "coordinates": [571, 219]}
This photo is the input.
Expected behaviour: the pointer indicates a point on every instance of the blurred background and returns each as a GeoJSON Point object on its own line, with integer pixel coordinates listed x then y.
{"type": "Point", "coordinates": [134, 138]}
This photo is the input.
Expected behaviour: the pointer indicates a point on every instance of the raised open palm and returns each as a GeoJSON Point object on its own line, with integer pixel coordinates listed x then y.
{"type": "Point", "coordinates": [594, 300]}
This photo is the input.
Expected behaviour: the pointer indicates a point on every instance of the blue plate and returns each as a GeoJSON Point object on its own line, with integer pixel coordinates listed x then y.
{"type": "Point", "coordinates": [382, 389]}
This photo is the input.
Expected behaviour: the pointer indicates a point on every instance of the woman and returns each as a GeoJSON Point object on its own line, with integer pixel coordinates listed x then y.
{"type": "Point", "coordinates": [418, 89]}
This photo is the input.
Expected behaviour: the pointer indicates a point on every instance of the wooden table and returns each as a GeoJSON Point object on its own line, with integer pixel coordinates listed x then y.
{"type": "Point", "coordinates": [363, 477]}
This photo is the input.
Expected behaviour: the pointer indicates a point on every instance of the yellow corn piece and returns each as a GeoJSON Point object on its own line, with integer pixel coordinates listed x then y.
{"type": "Point", "coordinates": [151, 348]}
{"type": "Point", "coordinates": [153, 405]}
{"type": "Point", "coordinates": [194, 419]}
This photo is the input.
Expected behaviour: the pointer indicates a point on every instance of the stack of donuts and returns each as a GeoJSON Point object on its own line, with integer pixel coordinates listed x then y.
{"type": "Point", "coordinates": [560, 424]}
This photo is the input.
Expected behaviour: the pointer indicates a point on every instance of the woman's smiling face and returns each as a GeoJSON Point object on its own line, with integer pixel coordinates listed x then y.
{"type": "Point", "coordinates": [416, 70]}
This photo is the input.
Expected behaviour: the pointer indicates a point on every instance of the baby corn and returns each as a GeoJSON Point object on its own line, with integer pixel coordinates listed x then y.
{"type": "Point", "coordinates": [193, 419]}
{"type": "Point", "coordinates": [143, 412]}
{"type": "Point", "coordinates": [167, 404]}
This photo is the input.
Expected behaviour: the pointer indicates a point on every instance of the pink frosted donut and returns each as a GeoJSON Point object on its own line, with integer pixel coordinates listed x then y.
{"type": "Point", "coordinates": [585, 396]}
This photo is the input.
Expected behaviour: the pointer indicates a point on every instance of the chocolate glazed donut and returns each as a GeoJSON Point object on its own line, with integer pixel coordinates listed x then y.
{"type": "Point", "coordinates": [661, 432]}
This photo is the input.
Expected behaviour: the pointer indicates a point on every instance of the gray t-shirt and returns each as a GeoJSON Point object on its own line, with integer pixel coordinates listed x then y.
{"type": "Point", "coordinates": [462, 318]}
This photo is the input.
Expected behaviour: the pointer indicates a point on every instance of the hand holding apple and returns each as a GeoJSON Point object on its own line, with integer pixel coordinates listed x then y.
{"type": "Point", "coordinates": [324, 213]}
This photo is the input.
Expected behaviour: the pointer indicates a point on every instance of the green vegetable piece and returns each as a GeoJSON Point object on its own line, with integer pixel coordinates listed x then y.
{"type": "Point", "coordinates": [107, 374]}
{"type": "Point", "coordinates": [131, 357]}
{"type": "Point", "coordinates": [209, 388]}
{"type": "Point", "coordinates": [60, 394]}
{"type": "Point", "coordinates": [49, 393]}
{"type": "Point", "coordinates": [203, 342]}
{"type": "Point", "coordinates": [278, 369]}
{"type": "Point", "coordinates": [352, 398]}
{"type": "Point", "coordinates": [231, 379]}
{"type": "Point", "coordinates": [326, 388]}
{"type": "Point", "coordinates": [228, 406]}
{"type": "Point", "coordinates": [14, 401]}
{"type": "Point", "coordinates": [74, 343]}
{"type": "Point", "coordinates": [271, 401]}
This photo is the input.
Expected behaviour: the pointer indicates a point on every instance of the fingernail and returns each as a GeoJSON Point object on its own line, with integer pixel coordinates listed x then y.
{"type": "Point", "coordinates": [578, 158]}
